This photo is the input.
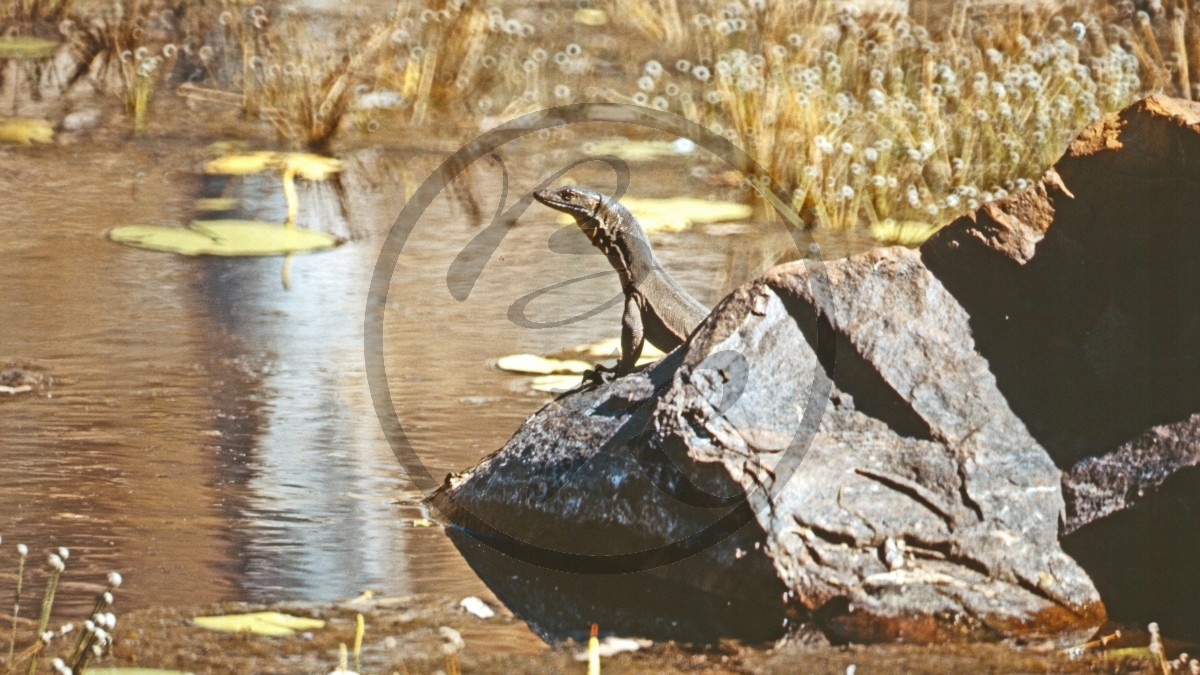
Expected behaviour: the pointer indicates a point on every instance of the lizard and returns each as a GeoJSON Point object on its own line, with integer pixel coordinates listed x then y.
{"type": "Point", "coordinates": [657, 309]}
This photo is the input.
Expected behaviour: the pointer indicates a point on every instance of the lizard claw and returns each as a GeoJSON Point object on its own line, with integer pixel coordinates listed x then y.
{"type": "Point", "coordinates": [600, 375]}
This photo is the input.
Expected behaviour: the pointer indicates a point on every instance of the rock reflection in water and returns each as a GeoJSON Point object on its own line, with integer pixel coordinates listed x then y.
{"type": "Point", "coordinates": [318, 518]}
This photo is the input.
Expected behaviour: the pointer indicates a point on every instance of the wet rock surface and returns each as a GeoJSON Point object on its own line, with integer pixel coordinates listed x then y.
{"type": "Point", "coordinates": [888, 447]}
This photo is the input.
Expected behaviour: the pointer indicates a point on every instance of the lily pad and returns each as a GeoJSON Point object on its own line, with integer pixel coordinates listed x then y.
{"type": "Point", "coordinates": [538, 365]}
{"type": "Point", "coordinates": [309, 166]}
{"type": "Point", "coordinates": [26, 131]}
{"type": "Point", "coordinates": [217, 204]}
{"type": "Point", "coordinates": [612, 346]}
{"type": "Point", "coordinates": [26, 47]}
{"type": "Point", "coordinates": [678, 213]}
{"type": "Point", "coordinates": [556, 384]}
{"type": "Point", "coordinates": [259, 623]}
{"type": "Point", "coordinates": [242, 163]}
{"type": "Point", "coordinates": [303, 164]}
{"type": "Point", "coordinates": [590, 16]}
{"type": "Point", "coordinates": [225, 238]}
{"type": "Point", "coordinates": [903, 232]}
{"type": "Point", "coordinates": [133, 671]}
{"type": "Point", "coordinates": [634, 151]}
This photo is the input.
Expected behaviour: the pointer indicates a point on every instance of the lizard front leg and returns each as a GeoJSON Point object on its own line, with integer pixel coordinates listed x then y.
{"type": "Point", "coordinates": [632, 339]}
{"type": "Point", "coordinates": [632, 334]}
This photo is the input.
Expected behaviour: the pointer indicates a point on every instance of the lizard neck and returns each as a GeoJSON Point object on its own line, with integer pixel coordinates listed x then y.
{"type": "Point", "coordinates": [623, 241]}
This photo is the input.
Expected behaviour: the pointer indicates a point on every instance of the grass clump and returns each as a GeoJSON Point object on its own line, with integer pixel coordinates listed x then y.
{"type": "Point", "coordinates": [887, 116]}
{"type": "Point", "coordinates": [93, 640]}
{"type": "Point", "coordinates": [871, 119]}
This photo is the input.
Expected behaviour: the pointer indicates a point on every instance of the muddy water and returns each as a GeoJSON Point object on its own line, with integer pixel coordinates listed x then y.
{"type": "Point", "coordinates": [211, 435]}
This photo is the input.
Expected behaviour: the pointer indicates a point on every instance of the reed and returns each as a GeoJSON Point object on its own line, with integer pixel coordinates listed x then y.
{"type": "Point", "coordinates": [95, 638]}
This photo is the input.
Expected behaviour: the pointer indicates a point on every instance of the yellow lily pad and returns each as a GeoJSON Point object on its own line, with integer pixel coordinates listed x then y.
{"type": "Point", "coordinates": [556, 384]}
{"type": "Point", "coordinates": [635, 151]}
{"type": "Point", "coordinates": [538, 365]}
{"type": "Point", "coordinates": [902, 232]}
{"type": "Point", "coordinates": [678, 213]}
{"type": "Point", "coordinates": [217, 204]}
{"type": "Point", "coordinates": [26, 131]}
{"type": "Point", "coordinates": [26, 47]}
{"type": "Point", "coordinates": [608, 348]}
{"type": "Point", "coordinates": [259, 623]}
{"type": "Point", "coordinates": [310, 166]}
{"type": "Point", "coordinates": [242, 163]}
{"type": "Point", "coordinates": [590, 16]}
{"type": "Point", "coordinates": [303, 164]}
{"type": "Point", "coordinates": [225, 238]}
{"type": "Point", "coordinates": [133, 671]}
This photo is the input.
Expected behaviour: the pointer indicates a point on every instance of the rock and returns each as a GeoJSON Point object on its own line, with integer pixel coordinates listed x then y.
{"type": "Point", "coordinates": [21, 378]}
{"type": "Point", "coordinates": [933, 467]}
{"type": "Point", "coordinates": [1081, 293]}
{"type": "Point", "coordinates": [82, 119]}
{"type": "Point", "coordinates": [886, 447]}
{"type": "Point", "coordinates": [1078, 288]}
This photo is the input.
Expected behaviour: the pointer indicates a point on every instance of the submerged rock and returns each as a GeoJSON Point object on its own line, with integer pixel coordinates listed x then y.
{"type": "Point", "coordinates": [20, 378]}
{"type": "Point", "coordinates": [877, 447]}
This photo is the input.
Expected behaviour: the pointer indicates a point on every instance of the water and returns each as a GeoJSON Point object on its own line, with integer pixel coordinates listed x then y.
{"type": "Point", "coordinates": [210, 434]}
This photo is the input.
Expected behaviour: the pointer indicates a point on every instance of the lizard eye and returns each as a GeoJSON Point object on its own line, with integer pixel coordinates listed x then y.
{"type": "Point", "coordinates": [569, 197]}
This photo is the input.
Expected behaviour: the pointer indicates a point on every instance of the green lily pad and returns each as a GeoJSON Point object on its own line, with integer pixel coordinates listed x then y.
{"type": "Point", "coordinates": [538, 365]}
{"type": "Point", "coordinates": [259, 623]}
{"type": "Point", "coordinates": [225, 238]}
{"type": "Point", "coordinates": [26, 47]}
{"type": "Point", "coordinates": [133, 671]}
{"type": "Point", "coordinates": [903, 232]}
{"type": "Point", "coordinates": [26, 131]}
{"type": "Point", "coordinates": [678, 213]}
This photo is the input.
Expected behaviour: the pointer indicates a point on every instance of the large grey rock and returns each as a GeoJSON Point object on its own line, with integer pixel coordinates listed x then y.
{"type": "Point", "coordinates": [898, 499]}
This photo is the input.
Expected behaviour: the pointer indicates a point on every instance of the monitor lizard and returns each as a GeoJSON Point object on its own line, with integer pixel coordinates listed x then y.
{"type": "Point", "coordinates": [657, 308]}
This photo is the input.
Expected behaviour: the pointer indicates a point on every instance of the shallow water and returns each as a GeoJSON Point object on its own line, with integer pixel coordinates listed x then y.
{"type": "Point", "coordinates": [212, 435]}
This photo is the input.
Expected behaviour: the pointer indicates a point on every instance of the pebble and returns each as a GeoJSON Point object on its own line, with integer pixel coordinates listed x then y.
{"type": "Point", "coordinates": [84, 118]}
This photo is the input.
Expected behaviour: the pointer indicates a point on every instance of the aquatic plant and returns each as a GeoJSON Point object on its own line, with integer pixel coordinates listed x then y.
{"type": "Point", "coordinates": [129, 48]}
{"type": "Point", "coordinates": [93, 640]}
{"type": "Point", "coordinates": [291, 165]}
{"type": "Point", "coordinates": [300, 82]}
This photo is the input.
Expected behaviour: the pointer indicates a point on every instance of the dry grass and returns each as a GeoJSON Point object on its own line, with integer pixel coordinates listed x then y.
{"type": "Point", "coordinates": [877, 118]}
{"type": "Point", "coordinates": [870, 113]}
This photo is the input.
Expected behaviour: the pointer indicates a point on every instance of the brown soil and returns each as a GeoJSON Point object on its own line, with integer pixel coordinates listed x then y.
{"type": "Point", "coordinates": [403, 636]}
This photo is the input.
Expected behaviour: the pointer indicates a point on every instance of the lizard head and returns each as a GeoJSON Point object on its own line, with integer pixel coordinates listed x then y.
{"type": "Point", "coordinates": [580, 202]}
